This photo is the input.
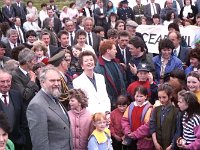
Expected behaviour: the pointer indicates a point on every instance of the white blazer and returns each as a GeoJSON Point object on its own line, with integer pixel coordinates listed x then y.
{"type": "Point", "coordinates": [98, 100]}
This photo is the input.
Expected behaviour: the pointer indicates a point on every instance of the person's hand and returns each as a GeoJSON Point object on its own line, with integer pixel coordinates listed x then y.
{"type": "Point", "coordinates": [32, 76]}
{"type": "Point", "coordinates": [123, 65]}
{"type": "Point", "coordinates": [118, 138]}
{"type": "Point", "coordinates": [150, 77]}
{"type": "Point", "coordinates": [133, 69]}
{"type": "Point", "coordinates": [157, 146]}
{"type": "Point", "coordinates": [169, 147]}
{"type": "Point", "coordinates": [181, 143]}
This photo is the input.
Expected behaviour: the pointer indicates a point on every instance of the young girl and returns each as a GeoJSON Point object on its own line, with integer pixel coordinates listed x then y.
{"type": "Point", "coordinates": [193, 83]}
{"type": "Point", "coordinates": [100, 138]}
{"type": "Point", "coordinates": [80, 118]}
{"type": "Point", "coordinates": [187, 102]}
{"type": "Point", "coordinates": [115, 123]}
{"type": "Point", "coordinates": [163, 119]}
{"type": "Point", "coordinates": [40, 50]}
{"type": "Point", "coordinates": [137, 114]}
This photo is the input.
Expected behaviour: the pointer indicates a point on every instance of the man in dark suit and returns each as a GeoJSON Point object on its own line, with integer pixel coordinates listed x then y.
{"type": "Point", "coordinates": [87, 12]}
{"type": "Point", "coordinates": [63, 38]}
{"type": "Point", "coordinates": [92, 38]}
{"type": "Point", "coordinates": [3, 58]}
{"type": "Point", "coordinates": [125, 12]}
{"type": "Point", "coordinates": [48, 120]}
{"type": "Point", "coordinates": [179, 51]}
{"type": "Point", "coordinates": [51, 50]}
{"type": "Point", "coordinates": [8, 12]}
{"type": "Point", "coordinates": [151, 9]}
{"type": "Point", "coordinates": [100, 15]}
{"type": "Point", "coordinates": [57, 23]}
{"type": "Point", "coordinates": [12, 36]}
{"type": "Point", "coordinates": [20, 10]}
{"type": "Point", "coordinates": [20, 30]}
{"type": "Point", "coordinates": [11, 104]}
{"type": "Point", "coordinates": [70, 26]}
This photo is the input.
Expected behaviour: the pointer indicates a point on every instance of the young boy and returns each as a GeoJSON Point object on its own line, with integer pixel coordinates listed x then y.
{"type": "Point", "coordinates": [145, 78]}
{"type": "Point", "coordinates": [115, 122]}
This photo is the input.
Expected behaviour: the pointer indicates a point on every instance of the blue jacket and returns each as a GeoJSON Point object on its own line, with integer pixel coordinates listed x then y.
{"type": "Point", "coordinates": [172, 64]}
{"type": "Point", "coordinates": [188, 70]}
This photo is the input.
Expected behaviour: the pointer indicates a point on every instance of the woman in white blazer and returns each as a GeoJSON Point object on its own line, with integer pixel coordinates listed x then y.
{"type": "Point", "coordinates": [92, 84]}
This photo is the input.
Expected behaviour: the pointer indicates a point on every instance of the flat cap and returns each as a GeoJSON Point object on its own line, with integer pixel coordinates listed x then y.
{"type": "Point", "coordinates": [132, 23]}
{"type": "Point", "coordinates": [57, 59]}
{"type": "Point", "coordinates": [124, 2]}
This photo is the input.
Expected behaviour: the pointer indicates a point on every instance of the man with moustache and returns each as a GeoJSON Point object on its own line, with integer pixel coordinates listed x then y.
{"type": "Point", "coordinates": [47, 118]}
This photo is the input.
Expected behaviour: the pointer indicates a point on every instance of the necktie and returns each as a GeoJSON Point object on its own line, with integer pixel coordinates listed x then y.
{"type": "Point", "coordinates": [174, 4]}
{"type": "Point", "coordinates": [90, 41]}
{"type": "Point", "coordinates": [14, 45]}
{"type": "Point", "coordinates": [72, 40]}
{"type": "Point", "coordinates": [154, 10]}
{"type": "Point", "coordinates": [175, 53]}
{"type": "Point", "coordinates": [5, 99]}
{"type": "Point", "coordinates": [20, 35]}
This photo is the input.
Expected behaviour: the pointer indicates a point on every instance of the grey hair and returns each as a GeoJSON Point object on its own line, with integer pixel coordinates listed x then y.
{"type": "Point", "coordinates": [4, 71]}
{"type": "Point", "coordinates": [28, 16]}
{"type": "Point", "coordinates": [11, 32]}
{"type": "Point", "coordinates": [26, 55]}
{"type": "Point", "coordinates": [45, 70]}
{"type": "Point", "coordinates": [88, 18]}
{"type": "Point", "coordinates": [11, 65]}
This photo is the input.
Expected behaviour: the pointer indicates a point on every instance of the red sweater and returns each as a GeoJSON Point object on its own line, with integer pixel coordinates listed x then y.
{"type": "Point", "coordinates": [135, 84]}
{"type": "Point", "coordinates": [136, 117]}
{"type": "Point", "coordinates": [115, 122]}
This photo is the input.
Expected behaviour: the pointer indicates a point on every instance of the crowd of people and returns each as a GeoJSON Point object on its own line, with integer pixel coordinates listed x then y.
{"type": "Point", "coordinates": [83, 78]}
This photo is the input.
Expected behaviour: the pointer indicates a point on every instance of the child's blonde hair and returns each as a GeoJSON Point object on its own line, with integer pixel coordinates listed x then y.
{"type": "Point", "coordinates": [98, 117]}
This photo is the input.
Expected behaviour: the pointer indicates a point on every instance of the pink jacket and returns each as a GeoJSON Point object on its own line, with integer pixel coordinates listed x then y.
{"type": "Point", "coordinates": [81, 124]}
{"type": "Point", "coordinates": [196, 144]}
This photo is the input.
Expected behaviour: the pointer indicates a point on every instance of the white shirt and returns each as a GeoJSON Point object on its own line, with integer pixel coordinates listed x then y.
{"type": "Point", "coordinates": [12, 45]}
{"type": "Point", "coordinates": [23, 71]}
{"type": "Point", "coordinates": [87, 12]}
{"type": "Point", "coordinates": [153, 7]}
{"type": "Point", "coordinates": [28, 26]}
{"type": "Point", "coordinates": [90, 38]}
{"type": "Point", "coordinates": [178, 50]}
{"type": "Point", "coordinates": [7, 97]}
{"type": "Point", "coordinates": [21, 33]}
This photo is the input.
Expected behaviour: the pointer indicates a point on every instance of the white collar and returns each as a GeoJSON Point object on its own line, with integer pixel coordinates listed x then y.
{"type": "Point", "coordinates": [105, 58]}
{"type": "Point", "coordinates": [24, 71]}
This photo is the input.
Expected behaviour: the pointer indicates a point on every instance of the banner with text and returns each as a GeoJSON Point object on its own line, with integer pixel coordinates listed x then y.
{"type": "Point", "coordinates": [152, 35]}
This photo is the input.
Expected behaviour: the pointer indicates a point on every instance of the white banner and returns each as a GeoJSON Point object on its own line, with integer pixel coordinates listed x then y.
{"type": "Point", "coordinates": [152, 35]}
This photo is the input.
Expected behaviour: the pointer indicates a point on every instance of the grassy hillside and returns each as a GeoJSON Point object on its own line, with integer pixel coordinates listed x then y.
{"type": "Point", "coordinates": [37, 3]}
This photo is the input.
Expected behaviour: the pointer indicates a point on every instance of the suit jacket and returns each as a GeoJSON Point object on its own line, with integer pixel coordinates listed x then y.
{"type": "Point", "coordinates": [24, 85]}
{"type": "Point", "coordinates": [49, 127]}
{"type": "Point", "coordinates": [57, 25]}
{"type": "Point", "coordinates": [98, 20]}
{"type": "Point", "coordinates": [17, 135]}
{"type": "Point", "coordinates": [4, 59]}
{"type": "Point", "coordinates": [125, 14]}
{"type": "Point", "coordinates": [20, 11]}
{"type": "Point", "coordinates": [121, 57]}
{"type": "Point", "coordinates": [183, 54]}
{"type": "Point", "coordinates": [98, 100]}
{"type": "Point", "coordinates": [84, 12]}
{"type": "Point", "coordinates": [53, 50]}
{"type": "Point", "coordinates": [8, 13]}
{"type": "Point", "coordinates": [96, 42]}
{"type": "Point", "coordinates": [147, 12]}
{"type": "Point", "coordinates": [1, 17]}
{"type": "Point", "coordinates": [8, 52]}
{"type": "Point", "coordinates": [22, 29]}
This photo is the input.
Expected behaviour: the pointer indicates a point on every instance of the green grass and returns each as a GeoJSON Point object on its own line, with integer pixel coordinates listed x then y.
{"type": "Point", "coordinates": [37, 3]}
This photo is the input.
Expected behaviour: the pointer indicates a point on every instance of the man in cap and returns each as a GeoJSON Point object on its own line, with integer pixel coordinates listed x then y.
{"type": "Point", "coordinates": [125, 12]}
{"type": "Point", "coordinates": [131, 28]}
{"type": "Point", "coordinates": [145, 78]}
{"type": "Point", "coordinates": [62, 64]}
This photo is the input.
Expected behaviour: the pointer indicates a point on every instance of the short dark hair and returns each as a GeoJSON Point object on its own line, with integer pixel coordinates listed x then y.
{"type": "Point", "coordinates": [195, 53]}
{"type": "Point", "coordinates": [141, 89]}
{"type": "Point", "coordinates": [137, 42]}
{"type": "Point", "coordinates": [174, 26]}
{"type": "Point", "coordinates": [29, 2]}
{"type": "Point", "coordinates": [80, 32]}
{"type": "Point", "coordinates": [118, 22]}
{"type": "Point", "coordinates": [165, 43]}
{"type": "Point", "coordinates": [98, 29]}
{"type": "Point", "coordinates": [44, 33]}
{"type": "Point", "coordinates": [87, 53]}
{"type": "Point", "coordinates": [122, 100]}
{"type": "Point", "coordinates": [62, 32]}
{"type": "Point", "coordinates": [112, 33]}
{"type": "Point", "coordinates": [167, 88]}
{"type": "Point", "coordinates": [43, 5]}
{"type": "Point", "coordinates": [30, 33]}
{"type": "Point", "coordinates": [123, 33]}
{"type": "Point", "coordinates": [71, 4]}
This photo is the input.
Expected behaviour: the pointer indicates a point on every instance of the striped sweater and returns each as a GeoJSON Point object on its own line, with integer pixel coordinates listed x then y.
{"type": "Point", "coordinates": [188, 127]}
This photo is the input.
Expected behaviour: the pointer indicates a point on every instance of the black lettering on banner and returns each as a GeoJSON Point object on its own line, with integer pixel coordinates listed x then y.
{"type": "Point", "coordinates": [158, 39]}
{"type": "Point", "coordinates": [151, 38]}
{"type": "Point", "coordinates": [144, 34]}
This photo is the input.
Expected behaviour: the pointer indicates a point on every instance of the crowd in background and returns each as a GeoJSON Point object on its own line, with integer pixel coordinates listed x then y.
{"type": "Point", "coordinates": [82, 78]}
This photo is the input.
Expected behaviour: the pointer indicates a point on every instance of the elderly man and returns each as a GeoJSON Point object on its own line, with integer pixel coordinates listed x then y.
{"type": "Point", "coordinates": [3, 58]}
{"type": "Point", "coordinates": [30, 24]}
{"type": "Point", "coordinates": [62, 64]}
{"type": "Point", "coordinates": [24, 78]}
{"type": "Point", "coordinates": [48, 120]}
{"type": "Point", "coordinates": [11, 104]}
{"type": "Point", "coordinates": [12, 36]}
